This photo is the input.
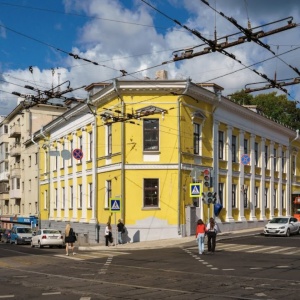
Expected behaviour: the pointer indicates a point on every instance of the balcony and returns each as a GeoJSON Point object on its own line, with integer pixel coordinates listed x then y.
{"type": "Point", "coordinates": [4, 195]}
{"type": "Point", "coordinates": [15, 194]}
{"type": "Point", "coordinates": [15, 150]}
{"type": "Point", "coordinates": [15, 131]}
{"type": "Point", "coordinates": [15, 170]}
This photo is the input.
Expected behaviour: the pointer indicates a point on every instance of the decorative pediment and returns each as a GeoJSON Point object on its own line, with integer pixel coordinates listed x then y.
{"type": "Point", "coordinates": [151, 109]}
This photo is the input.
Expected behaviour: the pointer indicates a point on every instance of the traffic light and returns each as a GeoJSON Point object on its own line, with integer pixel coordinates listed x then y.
{"type": "Point", "coordinates": [210, 198]}
{"type": "Point", "coordinates": [206, 173]}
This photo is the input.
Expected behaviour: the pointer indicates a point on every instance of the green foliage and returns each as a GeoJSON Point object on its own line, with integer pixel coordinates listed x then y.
{"type": "Point", "coordinates": [274, 106]}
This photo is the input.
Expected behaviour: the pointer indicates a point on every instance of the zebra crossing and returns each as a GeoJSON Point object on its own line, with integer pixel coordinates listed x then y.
{"type": "Point", "coordinates": [91, 255]}
{"type": "Point", "coordinates": [257, 249]}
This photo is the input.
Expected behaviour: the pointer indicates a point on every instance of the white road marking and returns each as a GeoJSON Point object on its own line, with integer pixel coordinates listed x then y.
{"type": "Point", "coordinates": [260, 249]}
{"type": "Point", "coordinates": [68, 257]}
{"type": "Point", "coordinates": [282, 249]}
{"type": "Point", "coordinates": [228, 269]}
{"type": "Point", "coordinates": [283, 267]}
{"type": "Point", "coordinates": [53, 293]}
{"type": "Point", "coordinates": [7, 296]}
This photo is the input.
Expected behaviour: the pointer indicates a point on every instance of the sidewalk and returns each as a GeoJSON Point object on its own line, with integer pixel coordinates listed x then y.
{"type": "Point", "coordinates": [167, 243]}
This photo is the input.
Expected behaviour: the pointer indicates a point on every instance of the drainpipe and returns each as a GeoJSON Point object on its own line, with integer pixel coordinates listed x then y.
{"type": "Point", "coordinates": [179, 157]}
{"type": "Point", "coordinates": [94, 175]}
{"type": "Point", "coordinates": [38, 182]}
{"type": "Point", "coordinates": [48, 173]}
{"type": "Point", "coordinates": [122, 153]}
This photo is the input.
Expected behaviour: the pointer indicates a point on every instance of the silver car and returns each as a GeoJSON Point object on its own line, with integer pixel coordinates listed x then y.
{"type": "Point", "coordinates": [47, 237]}
{"type": "Point", "coordinates": [284, 226]}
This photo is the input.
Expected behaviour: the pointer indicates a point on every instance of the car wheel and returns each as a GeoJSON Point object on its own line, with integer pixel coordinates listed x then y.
{"type": "Point", "coordinates": [288, 232]}
{"type": "Point", "coordinates": [40, 246]}
{"type": "Point", "coordinates": [32, 246]}
{"type": "Point", "coordinates": [60, 246]}
{"type": "Point", "coordinates": [16, 242]}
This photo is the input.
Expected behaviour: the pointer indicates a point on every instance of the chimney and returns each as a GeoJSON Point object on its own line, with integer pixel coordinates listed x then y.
{"type": "Point", "coordinates": [161, 75]}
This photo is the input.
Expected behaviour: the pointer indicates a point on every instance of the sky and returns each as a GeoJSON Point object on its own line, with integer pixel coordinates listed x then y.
{"type": "Point", "coordinates": [36, 38]}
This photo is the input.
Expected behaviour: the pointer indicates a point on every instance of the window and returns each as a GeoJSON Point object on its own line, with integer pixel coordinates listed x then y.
{"type": "Point", "coordinates": [150, 192]}
{"type": "Point", "coordinates": [266, 197]}
{"type": "Point", "coordinates": [80, 142]}
{"type": "Point", "coordinates": [266, 157]}
{"type": "Point", "coordinates": [233, 148]}
{"type": "Point", "coordinates": [90, 195]}
{"type": "Point", "coordinates": [56, 160]}
{"type": "Point", "coordinates": [36, 158]}
{"type": "Point", "coordinates": [151, 134]}
{"type": "Point", "coordinates": [18, 183]}
{"type": "Point", "coordinates": [45, 199]}
{"type": "Point", "coordinates": [246, 146]}
{"type": "Point", "coordinates": [221, 191]}
{"type": "Point", "coordinates": [29, 161]}
{"type": "Point", "coordinates": [71, 197]}
{"type": "Point", "coordinates": [256, 154]}
{"type": "Point", "coordinates": [275, 199]}
{"type": "Point", "coordinates": [256, 196]}
{"type": "Point", "coordinates": [63, 198]}
{"type": "Point", "coordinates": [234, 195]}
{"type": "Point", "coordinates": [221, 144]}
{"type": "Point", "coordinates": [71, 150]}
{"type": "Point", "coordinates": [29, 185]}
{"type": "Point", "coordinates": [245, 197]}
{"type": "Point", "coordinates": [196, 138]}
{"type": "Point", "coordinates": [56, 198]}
{"type": "Point", "coordinates": [108, 193]}
{"type": "Point", "coordinates": [80, 195]}
{"type": "Point", "coordinates": [282, 160]}
{"type": "Point", "coordinates": [90, 146]}
{"type": "Point", "coordinates": [282, 199]}
{"type": "Point", "coordinates": [294, 165]}
{"type": "Point", "coordinates": [275, 159]}
{"type": "Point", "coordinates": [109, 139]}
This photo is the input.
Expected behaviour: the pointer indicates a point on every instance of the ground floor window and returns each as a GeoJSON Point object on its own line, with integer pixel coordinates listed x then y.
{"type": "Point", "coordinates": [151, 192]}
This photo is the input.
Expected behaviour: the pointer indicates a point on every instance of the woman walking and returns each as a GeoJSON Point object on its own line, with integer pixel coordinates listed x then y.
{"type": "Point", "coordinates": [212, 230]}
{"type": "Point", "coordinates": [200, 234]}
{"type": "Point", "coordinates": [70, 239]}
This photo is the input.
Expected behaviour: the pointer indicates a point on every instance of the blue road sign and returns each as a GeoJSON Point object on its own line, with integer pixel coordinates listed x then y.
{"type": "Point", "coordinates": [195, 189]}
{"type": "Point", "coordinates": [115, 205]}
{"type": "Point", "coordinates": [245, 159]}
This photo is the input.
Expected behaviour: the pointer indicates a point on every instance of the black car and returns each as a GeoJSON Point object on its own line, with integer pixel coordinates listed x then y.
{"type": "Point", "coordinates": [6, 236]}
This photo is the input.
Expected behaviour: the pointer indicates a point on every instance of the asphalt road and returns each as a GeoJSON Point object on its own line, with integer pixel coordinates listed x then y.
{"type": "Point", "coordinates": [251, 268]}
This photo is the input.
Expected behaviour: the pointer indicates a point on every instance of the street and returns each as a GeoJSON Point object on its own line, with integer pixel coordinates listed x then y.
{"type": "Point", "coordinates": [253, 267]}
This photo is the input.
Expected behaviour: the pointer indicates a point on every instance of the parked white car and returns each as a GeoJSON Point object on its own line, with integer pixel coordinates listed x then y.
{"type": "Point", "coordinates": [282, 226]}
{"type": "Point", "coordinates": [47, 237]}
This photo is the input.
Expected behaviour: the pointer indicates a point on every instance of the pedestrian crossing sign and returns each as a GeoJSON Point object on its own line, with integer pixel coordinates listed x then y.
{"type": "Point", "coordinates": [195, 190]}
{"type": "Point", "coordinates": [115, 205]}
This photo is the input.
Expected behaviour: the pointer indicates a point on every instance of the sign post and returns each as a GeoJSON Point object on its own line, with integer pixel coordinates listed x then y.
{"type": "Point", "coordinates": [114, 207]}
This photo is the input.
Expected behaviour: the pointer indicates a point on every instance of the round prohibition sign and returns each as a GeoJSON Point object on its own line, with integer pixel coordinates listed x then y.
{"type": "Point", "coordinates": [77, 154]}
{"type": "Point", "coordinates": [245, 159]}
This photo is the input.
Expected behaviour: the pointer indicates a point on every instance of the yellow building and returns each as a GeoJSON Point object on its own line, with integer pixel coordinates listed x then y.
{"type": "Point", "coordinates": [143, 147]}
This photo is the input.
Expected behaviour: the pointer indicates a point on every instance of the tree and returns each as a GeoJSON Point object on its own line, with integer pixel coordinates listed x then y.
{"type": "Point", "coordinates": [274, 106]}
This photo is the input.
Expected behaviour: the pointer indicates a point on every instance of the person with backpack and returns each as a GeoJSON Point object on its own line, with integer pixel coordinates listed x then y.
{"type": "Point", "coordinates": [211, 231]}
{"type": "Point", "coordinates": [200, 234]}
{"type": "Point", "coordinates": [70, 239]}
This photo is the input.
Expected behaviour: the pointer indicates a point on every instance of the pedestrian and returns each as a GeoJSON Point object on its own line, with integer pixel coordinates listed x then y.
{"type": "Point", "coordinates": [212, 230]}
{"type": "Point", "coordinates": [108, 234]}
{"type": "Point", "coordinates": [121, 230]}
{"type": "Point", "coordinates": [70, 239]}
{"type": "Point", "coordinates": [200, 234]}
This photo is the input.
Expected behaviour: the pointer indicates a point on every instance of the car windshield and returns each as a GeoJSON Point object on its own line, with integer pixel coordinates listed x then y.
{"type": "Point", "coordinates": [51, 231]}
{"type": "Point", "coordinates": [280, 220]}
{"type": "Point", "coordinates": [24, 230]}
